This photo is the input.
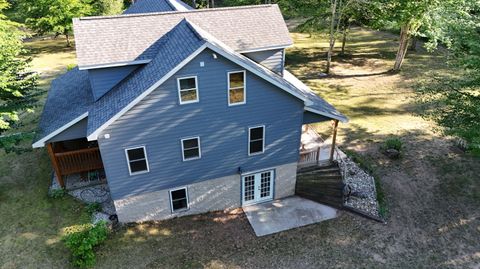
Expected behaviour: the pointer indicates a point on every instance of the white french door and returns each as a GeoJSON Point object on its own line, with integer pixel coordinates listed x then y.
{"type": "Point", "coordinates": [257, 187]}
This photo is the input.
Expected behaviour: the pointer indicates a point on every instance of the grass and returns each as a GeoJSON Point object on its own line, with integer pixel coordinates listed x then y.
{"type": "Point", "coordinates": [432, 223]}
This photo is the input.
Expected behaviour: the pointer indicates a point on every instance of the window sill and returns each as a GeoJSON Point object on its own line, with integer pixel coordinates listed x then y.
{"type": "Point", "coordinates": [139, 173]}
{"type": "Point", "coordinates": [256, 153]}
{"type": "Point", "coordinates": [237, 104]}
{"type": "Point", "coordinates": [192, 159]}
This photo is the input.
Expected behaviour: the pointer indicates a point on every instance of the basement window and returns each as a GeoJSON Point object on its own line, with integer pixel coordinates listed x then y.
{"type": "Point", "coordinates": [179, 199]}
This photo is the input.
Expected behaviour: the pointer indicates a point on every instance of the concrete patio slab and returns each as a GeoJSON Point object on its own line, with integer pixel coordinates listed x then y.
{"type": "Point", "coordinates": [284, 214]}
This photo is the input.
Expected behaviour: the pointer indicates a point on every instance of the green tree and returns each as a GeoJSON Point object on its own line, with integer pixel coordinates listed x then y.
{"type": "Point", "coordinates": [54, 16]}
{"type": "Point", "coordinates": [453, 101]}
{"type": "Point", "coordinates": [107, 7]}
{"type": "Point", "coordinates": [18, 87]}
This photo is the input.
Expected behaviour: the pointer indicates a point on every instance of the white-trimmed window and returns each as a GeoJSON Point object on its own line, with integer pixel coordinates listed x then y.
{"type": "Point", "coordinates": [191, 148]}
{"type": "Point", "coordinates": [187, 90]}
{"type": "Point", "coordinates": [137, 160]}
{"type": "Point", "coordinates": [179, 199]}
{"type": "Point", "coordinates": [256, 140]}
{"type": "Point", "coordinates": [236, 88]}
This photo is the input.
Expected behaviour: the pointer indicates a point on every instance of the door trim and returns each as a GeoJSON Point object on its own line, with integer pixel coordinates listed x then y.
{"type": "Point", "coordinates": [255, 173]}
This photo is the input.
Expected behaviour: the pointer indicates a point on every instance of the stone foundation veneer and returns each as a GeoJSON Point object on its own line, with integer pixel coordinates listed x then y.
{"type": "Point", "coordinates": [211, 195]}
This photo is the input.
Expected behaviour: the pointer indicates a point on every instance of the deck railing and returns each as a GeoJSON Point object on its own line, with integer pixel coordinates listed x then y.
{"type": "Point", "coordinates": [309, 157]}
{"type": "Point", "coordinates": [77, 161]}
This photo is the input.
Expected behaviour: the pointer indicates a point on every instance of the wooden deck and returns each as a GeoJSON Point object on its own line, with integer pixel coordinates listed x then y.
{"type": "Point", "coordinates": [67, 161]}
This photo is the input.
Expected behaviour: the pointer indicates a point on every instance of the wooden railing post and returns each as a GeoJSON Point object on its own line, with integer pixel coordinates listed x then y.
{"type": "Point", "coordinates": [54, 161]}
{"type": "Point", "coordinates": [334, 138]}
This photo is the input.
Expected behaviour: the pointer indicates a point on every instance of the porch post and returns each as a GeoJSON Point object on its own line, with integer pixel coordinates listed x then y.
{"type": "Point", "coordinates": [53, 159]}
{"type": "Point", "coordinates": [334, 138]}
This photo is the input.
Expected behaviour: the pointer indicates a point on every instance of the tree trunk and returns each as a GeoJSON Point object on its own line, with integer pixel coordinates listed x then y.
{"type": "Point", "coordinates": [213, 3]}
{"type": "Point", "coordinates": [68, 39]}
{"type": "Point", "coordinates": [402, 47]}
{"type": "Point", "coordinates": [413, 44]}
{"type": "Point", "coordinates": [344, 39]}
{"type": "Point", "coordinates": [332, 36]}
{"type": "Point", "coordinates": [194, 4]}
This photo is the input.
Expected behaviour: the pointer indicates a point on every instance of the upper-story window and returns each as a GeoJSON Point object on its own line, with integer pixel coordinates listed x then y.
{"type": "Point", "coordinates": [191, 148]}
{"type": "Point", "coordinates": [137, 160]}
{"type": "Point", "coordinates": [187, 90]}
{"type": "Point", "coordinates": [236, 88]}
{"type": "Point", "coordinates": [256, 140]}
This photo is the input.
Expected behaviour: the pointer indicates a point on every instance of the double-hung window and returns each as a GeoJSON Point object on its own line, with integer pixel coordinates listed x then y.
{"type": "Point", "coordinates": [236, 88]}
{"type": "Point", "coordinates": [256, 140]}
{"type": "Point", "coordinates": [137, 160]}
{"type": "Point", "coordinates": [179, 199]}
{"type": "Point", "coordinates": [191, 148]}
{"type": "Point", "coordinates": [187, 90]}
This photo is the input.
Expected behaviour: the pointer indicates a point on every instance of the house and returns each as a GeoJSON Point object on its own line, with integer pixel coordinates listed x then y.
{"type": "Point", "coordinates": [187, 111]}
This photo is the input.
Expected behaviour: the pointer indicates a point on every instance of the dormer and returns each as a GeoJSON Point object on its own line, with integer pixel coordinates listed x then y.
{"type": "Point", "coordinates": [104, 79]}
{"type": "Point", "coordinates": [273, 59]}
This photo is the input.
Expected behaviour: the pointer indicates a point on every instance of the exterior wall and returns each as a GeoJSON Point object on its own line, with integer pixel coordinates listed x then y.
{"type": "Point", "coordinates": [271, 59]}
{"type": "Point", "coordinates": [104, 79]}
{"type": "Point", "coordinates": [309, 117]}
{"type": "Point", "coordinates": [78, 130]}
{"type": "Point", "coordinates": [159, 122]}
{"type": "Point", "coordinates": [211, 195]}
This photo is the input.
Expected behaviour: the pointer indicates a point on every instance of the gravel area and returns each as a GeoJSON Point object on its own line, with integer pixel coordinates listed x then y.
{"type": "Point", "coordinates": [363, 196]}
{"type": "Point", "coordinates": [96, 192]}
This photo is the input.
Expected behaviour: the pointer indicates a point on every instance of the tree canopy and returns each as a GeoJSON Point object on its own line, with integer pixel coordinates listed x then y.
{"type": "Point", "coordinates": [54, 16]}
{"type": "Point", "coordinates": [18, 87]}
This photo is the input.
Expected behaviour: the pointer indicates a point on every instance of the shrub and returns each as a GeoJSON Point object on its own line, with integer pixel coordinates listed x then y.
{"type": "Point", "coordinates": [71, 66]}
{"type": "Point", "coordinates": [393, 143]}
{"type": "Point", "coordinates": [93, 207]}
{"type": "Point", "coordinates": [81, 241]}
{"type": "Point", "coordinates": [57, 193]}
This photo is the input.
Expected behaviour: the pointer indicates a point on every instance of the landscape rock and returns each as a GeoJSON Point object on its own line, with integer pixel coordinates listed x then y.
{"type": "Point", "coordinates": [392, 153]}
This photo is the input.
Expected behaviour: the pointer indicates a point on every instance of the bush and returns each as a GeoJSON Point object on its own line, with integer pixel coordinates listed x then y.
{"type": "Point", "coordinates": [81, 241]}
{"type": "Point", "coordinates": [393, 143]}
{"type": "Point", "coordinates": [93, 207]}
{"type": "Point", "coordinates": [57, 193]}
{"type": "Point", "coordinates": [71, 66]}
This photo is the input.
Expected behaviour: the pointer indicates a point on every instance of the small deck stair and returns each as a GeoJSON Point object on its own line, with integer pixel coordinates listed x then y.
{"type": "Point", "coordinates": [322, 184]}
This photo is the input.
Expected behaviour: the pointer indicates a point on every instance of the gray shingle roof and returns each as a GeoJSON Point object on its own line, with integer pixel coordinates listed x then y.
{"type": "Point", "coordinates": [173, 48]}
{"type": "Point", "coordinates": [116, 39]}
{"type": "Point", "coordinates": [149, 6]}
{"type": "Point", "coordinates": [69, 97]}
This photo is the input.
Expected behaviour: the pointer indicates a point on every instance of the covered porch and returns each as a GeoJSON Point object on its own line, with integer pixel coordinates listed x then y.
{"type": "Point", "coordinates": [317, 151]}
{"type": "Point", "coordinates": [78, 161]}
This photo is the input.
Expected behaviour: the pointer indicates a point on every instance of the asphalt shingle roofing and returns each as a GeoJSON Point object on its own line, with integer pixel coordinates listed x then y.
{"type": "Point", "coordinates": [70, 96]}
{"type": "Point", "coordinates": [149, 6]}
{"type": "Point", "coordinates": [173, 48]}
{"type": "Point", "coordinates": [124, 38]}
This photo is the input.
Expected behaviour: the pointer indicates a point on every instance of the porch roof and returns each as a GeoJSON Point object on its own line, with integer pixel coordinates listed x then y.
{"type": "Point", "coordinates": [68, 102]}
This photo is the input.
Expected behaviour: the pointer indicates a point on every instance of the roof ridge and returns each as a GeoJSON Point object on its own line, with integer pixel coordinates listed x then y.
{"type": "Point", "coordinates": [121, 16]}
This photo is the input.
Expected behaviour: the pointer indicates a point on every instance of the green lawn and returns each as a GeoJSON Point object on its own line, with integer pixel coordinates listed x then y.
{"type": "Point", "coordinates": [432, 192]}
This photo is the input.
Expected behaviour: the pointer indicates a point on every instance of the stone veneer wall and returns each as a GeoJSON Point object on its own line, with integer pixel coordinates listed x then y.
{"type": "Point", "coordinates": [211, 195]}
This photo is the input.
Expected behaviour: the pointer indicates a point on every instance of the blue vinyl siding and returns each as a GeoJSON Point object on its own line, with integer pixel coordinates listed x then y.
{"type": "Point", "coordinates": [78, 130]}
{"type": "Point", "coordinates": [104, 79]}
{"type": "Point", "coordinates": [159, 123]}
{"type": "Point", "coordinates": [309, 117]}
{"type": "Point", "coordinates": [271, 59]}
